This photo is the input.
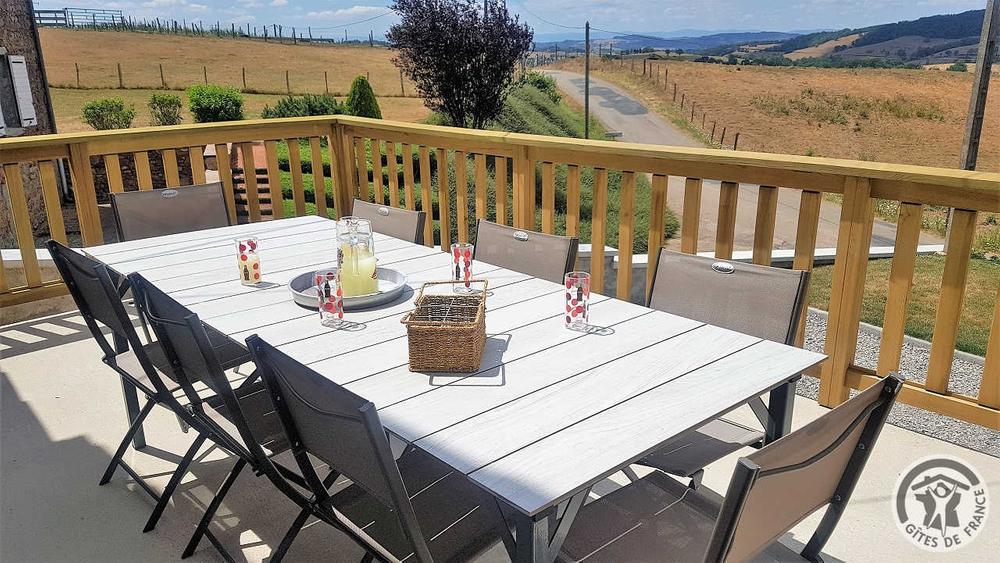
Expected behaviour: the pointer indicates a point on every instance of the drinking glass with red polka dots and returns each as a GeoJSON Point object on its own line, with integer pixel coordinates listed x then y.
{"type": "Point", "coordinates": [247, 261]}
{"type": "Point", "coordinates": [577, 299]}
{"type": "Point", "coordinates": [461, 267]}
{"type": "Point", "coordinates": [331, 298]}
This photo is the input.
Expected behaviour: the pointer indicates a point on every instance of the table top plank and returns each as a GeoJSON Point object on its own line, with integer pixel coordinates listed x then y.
{"type": "Point", "coordinates": [538, 475]}
{"type": "Point", "coordinates": [547, 410]}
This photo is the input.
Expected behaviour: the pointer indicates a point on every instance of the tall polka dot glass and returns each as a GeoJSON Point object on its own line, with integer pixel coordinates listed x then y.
{"type": "Point", "coordinates": [577, 299]}
{"type": "Point", "coordinates": [331, 298]}
{"type": "Point", "coordinates": [247, 261]}
{"type": "Point", "coordinates": [461, 266]}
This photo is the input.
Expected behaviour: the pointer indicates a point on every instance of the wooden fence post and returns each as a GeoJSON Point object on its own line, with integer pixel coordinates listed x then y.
{"type": "Point", "coordinates": [121, 79]}
{"type": "Point", "coordinates": [402, 90]}
{"type": "Point", "coordinates": [204, 72]}
{"type": "Point", "coordinates": [163, 81]}
{"type": "Point", "coordinates": [288, 83]}
{"type": "Point", "coordinates": [848, 286]}
{"type": "Point", "coordinates": [244, 78]}
{"type": "Point", "coordinates": [675, 93]}
{"type": "Point", "coordinates": [736, 140]}
{"type": "Point", "coordinates": [326, 82]}
{"type": "Point", "coordinates": [77, 65]}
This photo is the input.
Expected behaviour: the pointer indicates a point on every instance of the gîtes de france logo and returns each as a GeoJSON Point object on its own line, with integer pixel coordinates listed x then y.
{"type": "Point", "coordinates": [941, 503]}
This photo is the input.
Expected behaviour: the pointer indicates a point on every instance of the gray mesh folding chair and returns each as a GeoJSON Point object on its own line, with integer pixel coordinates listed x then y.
{"type": "Point", "coordinates": [771, 491]}
{"type": "Point", "coordinates": [153, 213]}
{"type": "Point", "coordinates": [97, 291]}
{"type": "Point", "coordinates": [240, 419]}
{"type": "Point", "coordinates": [758, 300]}
{"type": "Point", "coordinates": [543, 256]}
{"type": "Point", "coordinates": [400, 223]}
{"type": "Point", "coordinates": [414, 507]}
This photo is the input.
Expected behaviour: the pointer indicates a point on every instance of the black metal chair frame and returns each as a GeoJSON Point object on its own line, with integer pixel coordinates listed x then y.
{"type": "Point", "coordinates": [747, 472]}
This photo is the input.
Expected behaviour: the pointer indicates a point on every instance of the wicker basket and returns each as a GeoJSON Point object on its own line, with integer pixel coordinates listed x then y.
{"type": "Point", "coordinates": [447, 332]}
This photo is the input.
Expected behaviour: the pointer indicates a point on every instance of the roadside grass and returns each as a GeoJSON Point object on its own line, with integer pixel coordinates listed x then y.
{"type": "Point", "coordinates": [977, 312]}
{"type": "Point", "coordinates": [528, 111]}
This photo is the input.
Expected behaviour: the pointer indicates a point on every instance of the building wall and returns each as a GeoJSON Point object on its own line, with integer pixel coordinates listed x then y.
{"type": "Point", "coordinates": [19, 36]}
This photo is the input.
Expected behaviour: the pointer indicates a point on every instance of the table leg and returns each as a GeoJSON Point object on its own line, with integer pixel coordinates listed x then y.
{"type": "Point", "coordinates": [779, 409]}
{"type": "Point", "coordinates": [131, 395]}
{"type": "Point", "coordinates": [539, 538]}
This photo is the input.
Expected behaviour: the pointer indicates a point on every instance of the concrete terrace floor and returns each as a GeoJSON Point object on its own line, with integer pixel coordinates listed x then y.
{"type": "Point", "coordinates": [62, 416]}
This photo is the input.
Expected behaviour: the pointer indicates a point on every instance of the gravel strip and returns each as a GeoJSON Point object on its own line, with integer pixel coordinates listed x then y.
{"type": "Point", "coordinates": [965, 379]}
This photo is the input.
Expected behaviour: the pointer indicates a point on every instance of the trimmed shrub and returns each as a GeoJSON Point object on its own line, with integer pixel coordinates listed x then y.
{"type": "Point", "coordinates": [361, 100]}
{"type": "Point", "coordinates": [542, 82]}
{"type": "Point", "coordinates": [209, 103]}
{"type": "Point", "coordinates": [108, 113]}
{"type": "Point", "coordinates": [165, 109]}
{"type": "Point", "coordinates": [959, 67]}
{"type": "Point", "coordinates": [302, 106]}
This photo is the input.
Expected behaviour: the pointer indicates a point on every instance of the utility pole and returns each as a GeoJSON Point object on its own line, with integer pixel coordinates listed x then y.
{"type": "Point", "coordinates": [586, 81]}
{"type": "Point", "coordinates": [981, 84]}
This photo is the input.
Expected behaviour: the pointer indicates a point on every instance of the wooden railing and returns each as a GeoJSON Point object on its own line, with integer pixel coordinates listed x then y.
{"type": "Point", "coordinates": [459, 175]}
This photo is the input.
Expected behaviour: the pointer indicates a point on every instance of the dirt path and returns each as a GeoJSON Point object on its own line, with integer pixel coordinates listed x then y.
{"type": "Point", "coordinates": [619, 111]}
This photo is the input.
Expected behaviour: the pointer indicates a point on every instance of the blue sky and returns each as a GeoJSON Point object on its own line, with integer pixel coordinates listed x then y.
{"type": "Point", "coordinates": [332, 16]}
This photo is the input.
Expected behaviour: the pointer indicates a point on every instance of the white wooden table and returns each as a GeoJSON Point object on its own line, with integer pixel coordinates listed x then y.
{"type": "Point", "coordinates": [551, 411]}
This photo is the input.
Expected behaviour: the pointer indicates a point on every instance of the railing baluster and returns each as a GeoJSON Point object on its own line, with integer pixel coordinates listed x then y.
{"type": "Point", "coordinates": [461, 197]}
{"type": "Point", "coordinates": [408, 187]}
{"type": "Point", "coordinates": [85, 195]}
{"type": "Point", "coordinates": [573, 201]}
{"type": "Point", "coordinates": [379, 193]}
{"type": "Point", "coordinates": [500, 188]}
{"type": "Point", "coordinates": [319, 177]}
{"type": "Point", "coordinates": [197, 155]}
{"type": "Point", "coordinates": [657, 217]}
{"type": "Point", "coordinates": [949, 309]}
{"type": "Point", "coordinates": [524, 190]}
{"type": "Point", "coordinates": [598, 229]}
{"type": "Point", "coordinates": [626, 234]}
{"type": "Point", "coordinates": [548, 198]}
{"type": "Point", "coordinates": [482, 181]}
{"type": "Point", "coordinates": [274, 180]}
{"type": "Point", "coordinates": [4, 286]}
{"type": "Point", "coordinates": [989, 389]}
{"type": "Point", "coordinates": [853, 242]}
{"type": "Point", "coordinates": [250, 182]}
{"type": "Point", "coordinates": [444, 200]}
{"type": "Point", "coordinates": [225, 176]}
{"type": "Point", "coordinates": [295, 166]}
{"type": "Point", "coordinates": [50, 193]}
{"type": "Point", "coordinates": [144, 177]}
{"type": "Point", "coordinates": [113, 169]}
{"type": "Point", "coordinates": [171, 174]}
{"type": "Point", "coordinates": [361, 168]}
{"type": "Point", "coordinates": [763, 233]}
{"type": "Point", "coordinates": [392, 172]}
{"type": "Point", "coordinates": [904, 259]}
{"type": "Point", "coordinates": [805, 247]}
{"type": "Point", "coordinates": [426, 189]}
{"type": "Point", "coordinates": [691, 217]}
{"type": "Point", "coordinates": [22, 225]}
{"type": "Point", "coordinates": [729, 193]}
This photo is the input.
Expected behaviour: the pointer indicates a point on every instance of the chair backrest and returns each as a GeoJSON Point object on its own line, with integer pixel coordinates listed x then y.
{"type": "Point", "coordinates": [544, 256]}
{"type": "Point", "coordinates": [400, 223]}
{"type": "Point", "coordinates": [340, 428]}
{"type": "Point", "coordinates": [758, 300]}
{"type": "Point", "coordinates": [152, 213]}
{"type": "Point", "coordinates": [778, 486]}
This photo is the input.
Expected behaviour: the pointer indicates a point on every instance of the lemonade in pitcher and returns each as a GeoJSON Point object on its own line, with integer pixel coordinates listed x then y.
{"type": "Point", "coordinates": [356, 255]}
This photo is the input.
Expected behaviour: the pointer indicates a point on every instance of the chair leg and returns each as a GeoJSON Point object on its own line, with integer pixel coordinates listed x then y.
{"type": "Point", "coordinates": [368, 558]}
{"type": "Point", "coordinates": [286, 542]}
{"type": "Point", "coordinates": [630, 473]}
{"type": "Point", "coordinates": [175, 480]}
{"type": "Point", "coordinates": [123, 447]}
{"type": "Point", "coordinates": [212, 507]}
{"type": "Point", "coordinates": [696, 479]}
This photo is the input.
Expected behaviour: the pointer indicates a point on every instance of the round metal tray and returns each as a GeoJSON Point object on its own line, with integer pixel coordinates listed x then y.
{"type": "Point", "coordinates": [390, 286]}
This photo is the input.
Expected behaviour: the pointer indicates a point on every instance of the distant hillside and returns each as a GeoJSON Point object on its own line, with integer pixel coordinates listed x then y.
{"type": "Point", "coordinates": [635, 42]}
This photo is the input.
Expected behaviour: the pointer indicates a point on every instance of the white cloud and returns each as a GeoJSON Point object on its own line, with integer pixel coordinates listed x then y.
{"type": "Point", "coordinates": [352, 11]}
{"type": "Point", "coordinates": [177, 4]}
{"type": "Point", "coordinates": [279, 2]}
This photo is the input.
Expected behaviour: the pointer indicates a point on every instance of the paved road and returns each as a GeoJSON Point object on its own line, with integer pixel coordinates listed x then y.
{"type": "Point", "coordinates": [619, 111]}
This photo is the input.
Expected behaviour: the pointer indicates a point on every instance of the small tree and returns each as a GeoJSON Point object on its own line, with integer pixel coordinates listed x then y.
{"type": "Point", "coordinates": [361, 100]}
{"type": "Point", "coordinates": [959, 67]}
{"type": "Point", "coordinates": [209, 103]}
{"type": "Point", "coordinates": [108, 113]}
{"type": "Point", "coordinates": [461, 59]}
{"type": "Point", "coordinates": [165, 109]}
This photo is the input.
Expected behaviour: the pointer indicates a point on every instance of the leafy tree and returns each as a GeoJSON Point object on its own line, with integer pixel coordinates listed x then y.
{"type": "Point", "coordinates": [361, 100]}
{"type": "Point", "coordinates": [165, 109]}
{"type": "Point", "coordinates": [461, 59]}
{"type": "Point", "coordinates": [959, 67]}
{"type": "Point", "coordinates": [209, 103]}
{"type": "Point", "coordinates": [108, 113]}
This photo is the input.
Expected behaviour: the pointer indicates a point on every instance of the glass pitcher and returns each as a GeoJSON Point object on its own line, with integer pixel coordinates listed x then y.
{"type": "Point", "coordinates": [356, 256]}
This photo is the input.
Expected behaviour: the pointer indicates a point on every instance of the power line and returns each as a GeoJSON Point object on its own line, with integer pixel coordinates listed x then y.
{"type": "Point", "coordinates": [354, 22]}
{"type": "Point", "coordinates": [536, 16]}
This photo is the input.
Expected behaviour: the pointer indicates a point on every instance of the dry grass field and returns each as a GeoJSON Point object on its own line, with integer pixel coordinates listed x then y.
{"type": "Point", "coordinates": [67, 103]}
{"type": "Point", "coordinates": [140, 54]}
{"type": "Point", "coordinates": [822, 49]}
{"type": "Point", "coordinates": [904, 116]}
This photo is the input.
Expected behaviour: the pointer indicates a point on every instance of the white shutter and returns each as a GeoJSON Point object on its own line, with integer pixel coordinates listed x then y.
{"type": "Point", "coordinates": [22, 91]}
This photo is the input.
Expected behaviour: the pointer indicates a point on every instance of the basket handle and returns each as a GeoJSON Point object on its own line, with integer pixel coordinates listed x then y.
{"type": "Point", "coordinates": [486, 284]}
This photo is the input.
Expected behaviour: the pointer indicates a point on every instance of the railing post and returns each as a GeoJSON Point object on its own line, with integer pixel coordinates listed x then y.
{"type": "Point", "coordinates": [524, 189]}
{"type": "Point", "coordinates": [848, 286]}
{"type": "Point", "coordinates": [85, 195]}
{"type": "Point", "coordinates": [343, 189]}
